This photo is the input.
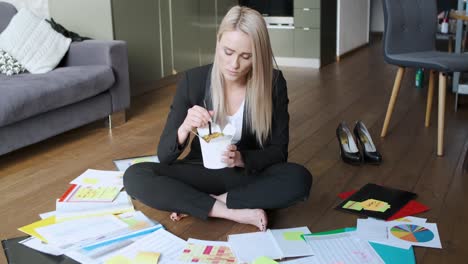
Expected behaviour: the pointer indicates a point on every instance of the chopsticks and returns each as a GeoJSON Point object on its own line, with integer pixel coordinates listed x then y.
{"type": "Point", "coordinates": [209, 123]}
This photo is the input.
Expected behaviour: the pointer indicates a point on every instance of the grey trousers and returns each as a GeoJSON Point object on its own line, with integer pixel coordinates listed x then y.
{"type": "Point", "coordinates": [186, 188]}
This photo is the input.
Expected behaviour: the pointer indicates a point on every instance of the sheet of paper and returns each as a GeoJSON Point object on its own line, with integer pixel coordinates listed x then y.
{"type": "Point", "coordinates": [40, 246]}
{"type": "Point", "coordinates": [208, 252]}
{"type": "Point", "coordinates": [99, 178]}
{"type": "Point", "coordinates": [422, 235]}
{"type": "Point", "coordinates": [47, 215]}
{"type": "Point", "coordinates": [247, 247]}
{"type": "Point", "coordinates": [123, 164]}
{"type": "Point", "coordinates": [76, 232]}
{"type": "Point", "coordinates": [31, 228]}
{"type": "Point", "coordinates": [371, 230]}
{"type": "Point", "coordinates": [379, 231]}
{"type": "Point", "coordinates": [160, 241]}
{"type": "Point", "coordinates": [290, 242]}
{"type": "Point", "coordinates": [342, 248]}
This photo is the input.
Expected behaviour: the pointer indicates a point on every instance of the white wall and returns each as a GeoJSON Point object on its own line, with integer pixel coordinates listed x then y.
{"type": "Point", "coordinates": [377, 18]}
{"type": "Point", "coordinates": [39, 7]}
{"type": "Point", "coordinates": [353, 25]}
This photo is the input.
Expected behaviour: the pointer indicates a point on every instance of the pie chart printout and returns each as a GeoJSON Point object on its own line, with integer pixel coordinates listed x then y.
{"type": "Point", "coordinates": [412, 233]}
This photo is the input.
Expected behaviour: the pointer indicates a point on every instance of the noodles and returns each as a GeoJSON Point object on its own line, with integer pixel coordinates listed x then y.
{"type": "Point", "coordinates": [214, 135]}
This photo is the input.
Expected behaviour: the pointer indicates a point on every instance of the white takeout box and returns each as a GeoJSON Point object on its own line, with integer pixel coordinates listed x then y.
{"type": "Point", "coordinates": [212, 151]}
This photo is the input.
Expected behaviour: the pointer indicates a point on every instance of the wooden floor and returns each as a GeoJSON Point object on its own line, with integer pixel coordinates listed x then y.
{"type": "Point", "coordinates": [357, 88]}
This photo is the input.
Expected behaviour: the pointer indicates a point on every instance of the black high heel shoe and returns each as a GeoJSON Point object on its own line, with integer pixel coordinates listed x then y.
{"type": "Point", "coordinates": [369, 151]}
{"type": "Point", "coordinates": [348, 148]}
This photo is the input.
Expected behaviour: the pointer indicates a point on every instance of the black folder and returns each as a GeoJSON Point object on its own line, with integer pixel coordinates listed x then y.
{"type": "Point", "coordinates": [17, 253]}
{"type": "Point", "coordinates": [395, 197]}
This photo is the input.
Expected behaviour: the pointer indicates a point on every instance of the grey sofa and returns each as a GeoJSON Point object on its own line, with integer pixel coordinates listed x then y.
{"type": "Point", "coordinates": [91, 83]}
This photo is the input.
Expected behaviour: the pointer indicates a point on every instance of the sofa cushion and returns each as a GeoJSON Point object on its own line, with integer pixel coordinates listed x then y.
{"type": "Point", "coordinates": [26, 95]}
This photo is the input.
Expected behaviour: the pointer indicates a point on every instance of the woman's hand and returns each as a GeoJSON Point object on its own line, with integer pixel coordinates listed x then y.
{"type": "Point", "coordinates": [197, 116]}
{"type": "Point", "coordinates": [232, 157]}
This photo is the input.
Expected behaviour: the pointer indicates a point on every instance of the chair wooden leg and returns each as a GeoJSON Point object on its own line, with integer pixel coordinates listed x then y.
{"type": "Point", "coordinates": [391, 104]}
{"type": "Point", "coordinates": [450, 44]}
{"type": "Point", "coordinates": [441, 115]}
{"type": "Point", "coordinates": [117, 119]}
{"type": "Point", "coordinates": [430, 96]}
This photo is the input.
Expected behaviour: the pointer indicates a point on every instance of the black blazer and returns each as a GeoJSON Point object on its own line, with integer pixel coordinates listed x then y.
{"type": "Point", "coordinates": [194, 89]}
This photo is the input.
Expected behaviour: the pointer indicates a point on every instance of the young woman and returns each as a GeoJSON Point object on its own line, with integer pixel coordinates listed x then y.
{"type": "Point", "coordinates": [241, 88]}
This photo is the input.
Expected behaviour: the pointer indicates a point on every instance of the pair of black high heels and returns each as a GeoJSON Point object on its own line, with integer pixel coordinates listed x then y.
{"type": "Point", "coordinates": [348, 148]}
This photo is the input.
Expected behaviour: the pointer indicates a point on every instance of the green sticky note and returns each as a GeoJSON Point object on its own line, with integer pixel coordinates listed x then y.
{"type": "Point", "coordinates": [297, 235]}
{"type": "Point", "coordinates": [353, 205]}
{"type": "Point", "coordinates": [264, 260]}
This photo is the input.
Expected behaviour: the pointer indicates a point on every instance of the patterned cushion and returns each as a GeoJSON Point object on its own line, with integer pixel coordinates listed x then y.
{"type": "Point", "coordinates": [8, 64]}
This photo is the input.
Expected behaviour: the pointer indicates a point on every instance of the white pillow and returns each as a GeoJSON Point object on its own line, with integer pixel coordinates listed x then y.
{"type": "Point", "coordinates": [33, 42]}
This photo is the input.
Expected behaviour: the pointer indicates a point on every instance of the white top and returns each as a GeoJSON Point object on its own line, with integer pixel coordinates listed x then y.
{"type": "Point", "coordinates": [236, 121]}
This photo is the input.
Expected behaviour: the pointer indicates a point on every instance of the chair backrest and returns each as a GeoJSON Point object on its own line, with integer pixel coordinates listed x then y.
{"type": "Point", "coordinates": [410, 26]}
{"type": "Point", "coordinates": [7, 11]}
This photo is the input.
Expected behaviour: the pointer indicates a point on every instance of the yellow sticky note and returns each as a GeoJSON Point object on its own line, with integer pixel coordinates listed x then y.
{"type": "Point", "coordinates": [293, 235]}
{"type": "Point", "coordinates": [31, 228]}
{"type": "Point", "coordinates": [118, 260]}
{"type": "Point", "coordinates": [140, 160]}
{"type": "Point", "coordinates": [375, 205]}
{"type": "Point", "coordinates": [95, 194]}
{"type": "Point", "coordinates": [90, 180]}
{"type": "Point", "coordinates": [146, 258]}
{"type": "Point", "coordinates": [264, 260]}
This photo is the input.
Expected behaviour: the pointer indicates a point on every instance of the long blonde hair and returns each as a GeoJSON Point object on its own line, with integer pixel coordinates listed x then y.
{"type": "Point", "coordinates": [258, 97]}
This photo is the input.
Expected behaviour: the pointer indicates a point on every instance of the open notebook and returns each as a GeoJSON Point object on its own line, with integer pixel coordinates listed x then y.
{"type": "Point", "coordinates": [274, 243]}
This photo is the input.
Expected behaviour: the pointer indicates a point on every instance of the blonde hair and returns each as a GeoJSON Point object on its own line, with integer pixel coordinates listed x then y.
{"type": "Point", "coordinates": [258, 97]}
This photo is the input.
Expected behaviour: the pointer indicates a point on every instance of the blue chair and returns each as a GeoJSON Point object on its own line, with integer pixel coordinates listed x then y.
{"type": "Point", "coordinates": [409, 42]}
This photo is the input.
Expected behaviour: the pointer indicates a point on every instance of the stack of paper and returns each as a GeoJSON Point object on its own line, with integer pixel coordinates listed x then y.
{"type": "Point", "coordinates": [86, 238]}
{"type": "Point", "coordinates": [94, 193]}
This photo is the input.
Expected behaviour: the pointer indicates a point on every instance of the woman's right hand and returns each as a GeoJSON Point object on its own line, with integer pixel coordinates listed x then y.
{"type": "Point", "coordinates": [197, 116]}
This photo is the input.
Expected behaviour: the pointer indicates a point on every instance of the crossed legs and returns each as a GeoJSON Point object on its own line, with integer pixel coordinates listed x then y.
{"type": "Point", "coordinates": [226, 193]}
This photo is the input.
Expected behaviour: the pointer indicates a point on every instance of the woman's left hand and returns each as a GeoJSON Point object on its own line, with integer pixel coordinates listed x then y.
{"type": "Point", "coordinates": [232, 157]}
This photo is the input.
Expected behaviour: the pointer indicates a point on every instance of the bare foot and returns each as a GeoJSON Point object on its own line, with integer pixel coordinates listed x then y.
{"type": "Point", "coordinates": [256, 217]}
{"type": "Point", "coordinates": [177, 217]}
